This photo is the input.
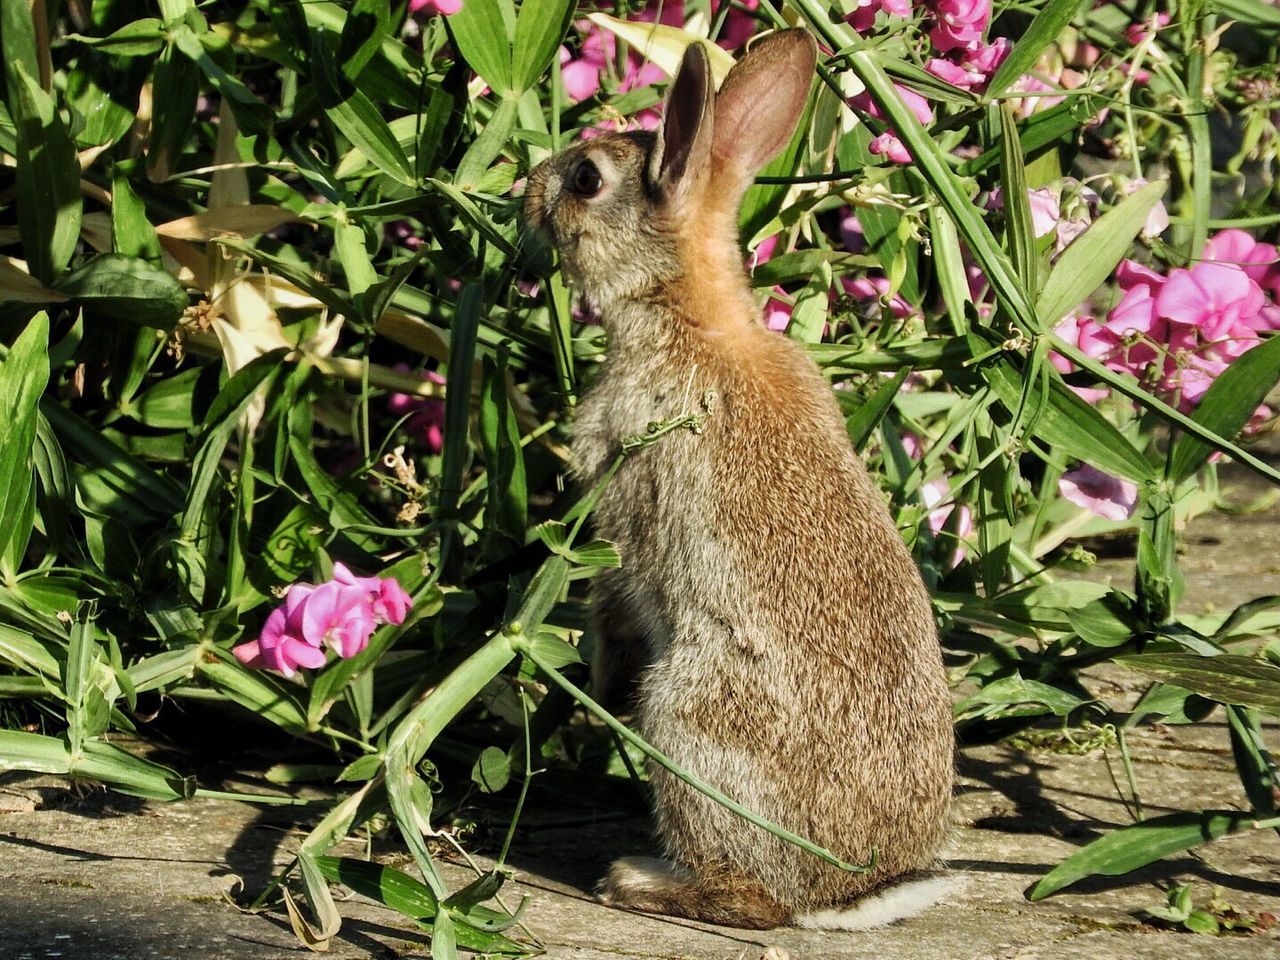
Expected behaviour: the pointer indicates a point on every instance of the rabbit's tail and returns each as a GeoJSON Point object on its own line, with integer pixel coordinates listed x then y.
{"type": "Point", "coordinates": [888, 906]}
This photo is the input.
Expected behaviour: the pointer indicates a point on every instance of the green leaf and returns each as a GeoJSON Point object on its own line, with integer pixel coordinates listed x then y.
{"type": "Point", "coordinates": [1044, 30]}
{"type": "Point", "coordinates": [484, 39]}
{"type": "Point", "coordinates": [1107, 622]}
{"type": "Point", "coordinates": [1062, 122]}
{"type": "Point", "coordinates": [553, 651]}
{"type": "Point", "coordinates": [24, 374]}
{"type": "Point", "coordinates": [132, 234]}
{"type": "Point", "coordinates": [99, 761]}
{"type": "Point", "coordinates": [86, 713]}
{"type": "Point", "coordinates": [48, 179]}
{"type": "Point", "coordinates": [356, 116]}
{"type": "Point", "coordinates": [1254, 12]}
{"type": "Point", "coordinates": [126, 289]}
{"type": "Point", "coordinates": [485, 148]}
{"type": "Point", "coordinates": [219, 424]}
{"type": "Point", "coordinates": [253, 690]}
{"type": "Point", "coordinates": [1227, 405]}
{"type": "Point", "coordinates": [126, 476]}
{"type": "Point", "coordinates": [175, 86]}
{"type": "Point", "coordinates": [1254, 766]}
{"type": "Point", "coordinates": [411, 898]}
{"type": "Point", "coordinates": [137, 38]}
{"type": "Point", "coordinates": [539, 29]}
{"type": "Point", "coordinates": [1088, 261]}
{"type": "Point", "coordinates": [492, 770]}
{"type": "Point", "coordinates": [507, 512]}
{"type": "Point", "coordinates": [129, 774]}
{"type": "Point", "coordinates": [252, 115]}
{"type": "Point", "coordinates": [367, 25]}
{"type": "Point", "coordinates": [1065, 420]}
{"type": "Point", "coordinates": [1229, 678]}
{"type": "Point", "coordinates": [457, 413]}
{"type": "Point", "coordinates": [1129, 848]}
{"type": "Point", "coordinates": [862, 423]}
{"type": "Point", "coordinates": [33, 752]}
{"type": "Point", "coordinates": [997, 697]}
{"type": "Point", "coordinates": [1019, 236]}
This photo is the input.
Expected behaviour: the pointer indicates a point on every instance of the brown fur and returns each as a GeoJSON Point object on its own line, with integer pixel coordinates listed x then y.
{"type": "Point", "coordinates": [785, 642]}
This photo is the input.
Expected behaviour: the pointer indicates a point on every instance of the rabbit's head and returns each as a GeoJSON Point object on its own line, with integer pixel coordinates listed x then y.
{"type": "Point", "coordinates": [653, 216]}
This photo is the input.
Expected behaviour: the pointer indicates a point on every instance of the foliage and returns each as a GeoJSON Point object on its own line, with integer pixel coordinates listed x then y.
{"type": "Point", "coordinates": [267, 309]}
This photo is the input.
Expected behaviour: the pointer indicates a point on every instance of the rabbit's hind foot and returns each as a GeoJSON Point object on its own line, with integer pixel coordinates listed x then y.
{"type": "Point", "coordinates": [649, 885]}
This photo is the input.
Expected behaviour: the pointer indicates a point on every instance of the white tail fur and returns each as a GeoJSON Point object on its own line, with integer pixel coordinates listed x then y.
{"type": "Point", "coordinates": [889, 906]}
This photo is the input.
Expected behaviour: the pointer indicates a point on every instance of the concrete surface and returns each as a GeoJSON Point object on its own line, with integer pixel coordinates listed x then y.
{"type": "Point", "coordinates": [86, 874]}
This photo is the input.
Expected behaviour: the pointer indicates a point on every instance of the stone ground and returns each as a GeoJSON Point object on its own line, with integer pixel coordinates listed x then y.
{"type": "Point", "coordinates": [92, 875]}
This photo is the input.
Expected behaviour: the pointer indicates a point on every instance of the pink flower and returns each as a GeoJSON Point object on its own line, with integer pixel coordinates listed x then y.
{"type": "Point", "coordinates": [341, 613]}
{"type": "Point", "coordinates": [937, 497]}
{"type": "Point", "coordinates": [915, 103]}
{"type": "Point", "coordinates": [777, 313]}
{"type": "Point", "coordinates": [1157, 221]}
{"type": "Point", "coordinates": [986, 58]}
{"type": "Point", "coordinates": [425, 415]}
{"type": "Point", "coordinates": [389, 600]}
{"type": "Point", "coordinates": [429, 8]}
{"type": "Point", "coordinates": [1099, 493]}
{"type": "Point", "coordinates": [959, 23]}
{"type": "Point", "coordinates": [887, 144]}
{"type": "Point", "coordinates": [280, 647]}
{"type": "Point", "coordinates": [1135, 33]}
{"type": "Point", "coordinates": [956, 74]}
{"type": "Point", "coordinates": [872, 291]}
{"type": "Point", "coordinates": [1261, 261]}
{"type": "Point", "coordinates": [851, 233]}
{"type": "Point", "coordinates": [598, 51]}
{"type": "Point", "coordinates": [864, 18]}
{"type": "Point", "coordinates": [1218, 298]}
{"type": "Point", "coordinates": [1045, 210]}
{"type": "Point", "coordinates": [337, 615]}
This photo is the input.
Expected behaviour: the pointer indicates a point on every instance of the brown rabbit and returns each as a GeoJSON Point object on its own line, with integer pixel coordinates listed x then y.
{"type": "Point", "coordinates": [781, 638]}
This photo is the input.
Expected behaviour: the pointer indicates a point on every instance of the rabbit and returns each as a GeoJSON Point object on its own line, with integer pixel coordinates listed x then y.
{"type": "Point", "coordinates": [767, 616]}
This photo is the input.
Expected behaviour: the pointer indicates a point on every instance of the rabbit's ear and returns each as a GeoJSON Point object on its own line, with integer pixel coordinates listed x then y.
{"type": "Point", "coordinates": [683, 151]}
{"type": "Point", "coordinates": [758, 106]}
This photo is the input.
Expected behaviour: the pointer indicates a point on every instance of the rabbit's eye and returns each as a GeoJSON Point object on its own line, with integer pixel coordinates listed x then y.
{"type": "Point", "coordinates": [585, 179]}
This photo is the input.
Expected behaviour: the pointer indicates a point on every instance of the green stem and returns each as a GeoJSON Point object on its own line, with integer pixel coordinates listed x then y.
{"type": "Point", "coordinates": [678, 771]}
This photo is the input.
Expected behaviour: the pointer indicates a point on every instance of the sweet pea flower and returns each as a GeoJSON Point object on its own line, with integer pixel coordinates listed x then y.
{"type": "Point", "coordinates": [339, 616]}
{"type": "Point", "coordinates": [872, 291]}
{"type": "Point", "coordinates": [851, 233]}
{"type": "Point", "coordinates": [1135, 33]}
{"type": "Point", "coordinates": [1045, 209]}
{"type": "Point", "coordinates": [389, 601]}
{"type": "Point", "coordinates": [957, 74]}
{"type": "Point", "coordinates": [598, 50]}
{"type": "Point", "coordinates": [1100, 493]}
{"type": "Point", "coordinates": [937, 497]}
{"type": "Point", "coordinates": [959, 23]}
{"type": "Point", "coordinates": [430, 8]}
{"type": "Point", "coordinates": [425, 415]}
{"type": "Point", "coordinates": [280, 646]}
{"type": "Point", "coordinates": [1220, 299]}
{"type": "Point", "coordinates": [341, 613]}
{"type": "Point", "coordinates": [887, 144]}
{"type": "Point", "coordinates": [864, 17]}
{"type": "Point", "coordinates": [1261, 261]}
{"type": "Point", "coordinates": [986, 58]}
